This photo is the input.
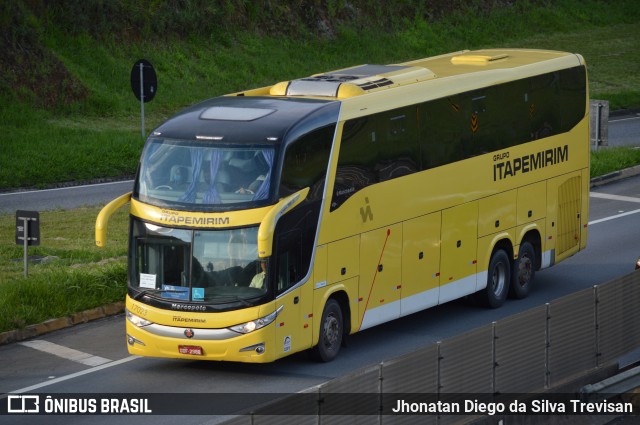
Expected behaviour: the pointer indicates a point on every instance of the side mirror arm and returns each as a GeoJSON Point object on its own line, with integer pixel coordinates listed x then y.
{"type": "Point", "coordinates": [268, 225]}
{"type": "Point", "coordinates": [105, 214]}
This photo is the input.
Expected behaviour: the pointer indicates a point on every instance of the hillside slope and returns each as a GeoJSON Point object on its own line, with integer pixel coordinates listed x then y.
{"type": "Point", "coordinates": [68, 113]}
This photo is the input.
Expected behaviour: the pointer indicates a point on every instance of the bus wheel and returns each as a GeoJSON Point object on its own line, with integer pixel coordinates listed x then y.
{"type": "Point", "coordinates": [524, 269]}
{"type": "Point", "coordinates": [498, 279]}
{"type": "Point", "coordinates": [331, 329]}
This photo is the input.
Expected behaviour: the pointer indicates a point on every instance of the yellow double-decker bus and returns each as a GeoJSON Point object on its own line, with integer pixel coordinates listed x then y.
{"type": "Point", "coordinates": [285, 218]}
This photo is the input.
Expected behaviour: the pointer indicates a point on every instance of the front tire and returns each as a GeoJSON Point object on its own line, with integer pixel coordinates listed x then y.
{"type": "Point", "coordinates": [331, 332]}
{"type": "Point", "coordinates": [498, 280]}
{"type": "Point", "coordinates": [524, 269]}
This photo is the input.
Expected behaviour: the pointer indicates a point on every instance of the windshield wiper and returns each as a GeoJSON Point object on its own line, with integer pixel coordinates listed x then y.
{"type": "Point", "coordinates": [225, 298]}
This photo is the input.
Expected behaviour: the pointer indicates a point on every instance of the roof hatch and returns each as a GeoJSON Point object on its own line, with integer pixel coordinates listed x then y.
{"type": "Point", "coordinates": [477, 59]}
{"type": "Point", "coordinates": [354, 81]}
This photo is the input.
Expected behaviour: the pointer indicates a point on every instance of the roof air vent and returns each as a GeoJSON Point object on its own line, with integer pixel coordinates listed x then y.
{"type": "Point", "coordinates": [353, 81]}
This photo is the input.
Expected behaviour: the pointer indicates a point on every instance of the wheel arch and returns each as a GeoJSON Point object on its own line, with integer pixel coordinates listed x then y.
{"type": "Point", "coordinates": [343, 299]}
{"type": "Point", "coordinates": [535, 239]}
{"type": "Point", "coordinates": [499, 241]}
{"type": "Point", "coordinates": [341, 296]}
{"type": "Point", "coordinates": [505, 244]}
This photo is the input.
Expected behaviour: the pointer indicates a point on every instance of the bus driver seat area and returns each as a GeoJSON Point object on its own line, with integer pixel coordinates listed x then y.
{"type": "Point", "coordinates": [247, 173]}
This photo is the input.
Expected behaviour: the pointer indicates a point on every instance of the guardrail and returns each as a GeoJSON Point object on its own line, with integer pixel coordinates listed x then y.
{"type": "Point", "coordinates": [621, 383]}
{"type": "Point", "coordinates": [533, 352]}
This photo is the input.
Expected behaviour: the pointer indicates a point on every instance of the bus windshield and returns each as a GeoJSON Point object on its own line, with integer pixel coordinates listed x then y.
{"type": "Point", "coordinates": [210, 266]}
{"type": "Point", "coordinates": [179, 174]}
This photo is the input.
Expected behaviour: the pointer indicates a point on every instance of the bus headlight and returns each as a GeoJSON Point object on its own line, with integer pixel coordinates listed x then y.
{"type": "Point", "coordinates": [253, 325]}
{"type": "Point", "coordinates": [137, 320]}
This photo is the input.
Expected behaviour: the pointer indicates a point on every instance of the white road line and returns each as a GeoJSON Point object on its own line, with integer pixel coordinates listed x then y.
{"type": "Point", "coordinates": [624, 119]}
{"type": "Point", "coordinates": [613, 217]}
{"type": "Point", "coordinates": [614, 197]}
{"type": "Point", "coordinates": [27, 192]}
{"type": "Point", "coordinates": [71, 376]}
{"type": "Point", "coordinates": [65, 352]}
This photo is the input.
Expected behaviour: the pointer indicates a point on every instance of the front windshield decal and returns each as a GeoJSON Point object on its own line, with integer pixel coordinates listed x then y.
{"type": "Point", "coordinates": [175, 292]}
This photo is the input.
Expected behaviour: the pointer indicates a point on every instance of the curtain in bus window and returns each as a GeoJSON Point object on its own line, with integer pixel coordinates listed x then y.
{"type": "Point", "coordinates": [197, 156]}
{"type": "Point", "coordinates": [212, 196]}
{"type": "Point", "coordinates": [263, 191]}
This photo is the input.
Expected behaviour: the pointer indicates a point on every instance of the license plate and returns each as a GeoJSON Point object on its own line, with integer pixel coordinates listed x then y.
{"type": "Point", "coordinates": [193, 350]}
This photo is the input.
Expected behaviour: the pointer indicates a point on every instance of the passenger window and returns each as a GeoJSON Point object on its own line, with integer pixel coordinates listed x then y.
{"type": "Point", "coordinates": [305, 163]}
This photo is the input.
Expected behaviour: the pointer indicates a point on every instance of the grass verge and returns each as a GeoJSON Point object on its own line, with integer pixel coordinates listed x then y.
{"type": "Point", "coordinates": [74, 276]}
{"type": "Point", "coordinates": [608, 160]}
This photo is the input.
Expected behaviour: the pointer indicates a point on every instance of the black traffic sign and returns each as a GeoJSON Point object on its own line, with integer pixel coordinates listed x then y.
{"type": "Point", "coordinates": [149, 80]}
{"type": "Point", "coordinates": [32, 221]}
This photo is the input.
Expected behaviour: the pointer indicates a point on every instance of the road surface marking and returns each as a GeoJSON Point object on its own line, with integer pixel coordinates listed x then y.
{"type": "Point", "coordinates": [65, 352]}
{"type": "Point", "coordinates": [623, 119]}
{"type": "Point", "coordinates": [71, 376]}
{"type": "Point", "coordinates": [27, 192]}
{"type": "Point", "coordinates": [614, 197]}
{"type": "Point", "coordinates": [613, 217]}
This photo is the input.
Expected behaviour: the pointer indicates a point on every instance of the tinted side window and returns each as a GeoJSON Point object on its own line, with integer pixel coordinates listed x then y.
{"type": "Point", "coordinates": [395, 143]}
{"type": "Point", "coordinates": [441, 124]}
{"type": "Point", "coordinates": [573, 95]}
{"type": "Point", "coordinates": [498, 117]}
{"type": "Point", "coordinates": [288, 268]}
{"type": "Point", "coordinates": [374, 149]}
{"type": "Point", "coordinates": [305, 163]}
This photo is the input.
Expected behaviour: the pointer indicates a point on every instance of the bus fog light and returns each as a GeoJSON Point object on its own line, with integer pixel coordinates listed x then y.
{"type": "Point", "coordinates": [258, 348]}
{"type": "Point", "coordinates": [132, 340]}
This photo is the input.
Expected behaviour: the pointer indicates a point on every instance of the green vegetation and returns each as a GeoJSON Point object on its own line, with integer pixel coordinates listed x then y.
{"type": "Point", "coordinates": [608, 160]}
{"type": "Point", "coordinates": [67, 113]}
{"type": "Point", "coordinates": [74, 274]}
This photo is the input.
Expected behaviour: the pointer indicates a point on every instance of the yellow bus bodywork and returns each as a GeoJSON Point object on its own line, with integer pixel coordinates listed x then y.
{"type": "Point", "coordinates": [408, 243]}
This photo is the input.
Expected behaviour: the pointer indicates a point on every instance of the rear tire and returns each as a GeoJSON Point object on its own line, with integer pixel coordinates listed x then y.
{"type": "Point", "coordinates": [498, 280]}
{"type": "Point", "coordinates": [524, 270]}
{"type": "Point", "coordinates": [331, 332]}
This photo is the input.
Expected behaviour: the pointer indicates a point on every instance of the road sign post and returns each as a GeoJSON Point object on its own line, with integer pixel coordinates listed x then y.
{"type": "Point", "coordinates": [141, 65]}
{"type": "Point", "coordinates": [27, 233]}
{"type": "Point", "coordinates": [144, 84]}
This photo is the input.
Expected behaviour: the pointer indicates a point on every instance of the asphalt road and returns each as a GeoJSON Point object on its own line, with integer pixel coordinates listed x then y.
{"type": "Point", "coordinates": [47, 365]}
{"type": "Point", "coordinates": [625, 130]}
{"type": "Point", "coordinates": [63, 198]}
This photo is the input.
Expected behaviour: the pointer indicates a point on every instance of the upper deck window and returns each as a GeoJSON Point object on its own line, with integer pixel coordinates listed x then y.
{"type": "Point", "coordinates": [195, 175]}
